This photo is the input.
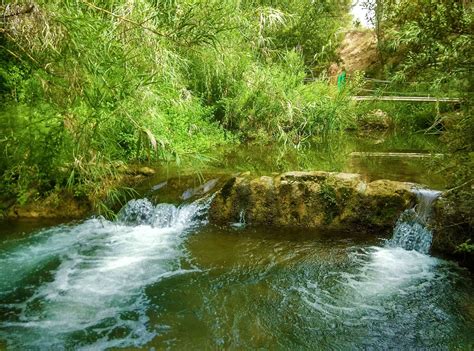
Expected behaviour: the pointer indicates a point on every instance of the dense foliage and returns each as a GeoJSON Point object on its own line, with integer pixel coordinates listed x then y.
{"type": "Point", "coordinates": [86, 86]}
{"type": "Point", "coordinates": [426, 46]}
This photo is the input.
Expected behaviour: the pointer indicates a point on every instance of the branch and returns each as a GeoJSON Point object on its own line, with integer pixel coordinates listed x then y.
{"type": "Point", "coordinates": [19, 12]}
{"type": "Point", "coordinates": [459, 186]}
{"type": "Point", "coordinates": [124, 18]}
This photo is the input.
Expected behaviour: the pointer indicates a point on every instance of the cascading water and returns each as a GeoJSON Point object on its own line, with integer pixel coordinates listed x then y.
{"type": "Point", "coordinates": [98, 272]}
{"type": "Point", "coordinates": [411, 232]}
{"type": "Point", "coordinates": [241, 223]}
{"type": "Point", "coordinates": [141, 282]}
{"type": "Point", "coordinates": [385, 283]}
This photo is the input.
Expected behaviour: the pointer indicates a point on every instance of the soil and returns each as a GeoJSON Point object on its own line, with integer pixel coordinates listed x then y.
{"type": "Point", "coordinates": [358, 50]}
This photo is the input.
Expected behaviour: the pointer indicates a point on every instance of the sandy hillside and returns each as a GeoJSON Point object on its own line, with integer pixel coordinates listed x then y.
{"type": "Point", "coordinates": [358, 50]}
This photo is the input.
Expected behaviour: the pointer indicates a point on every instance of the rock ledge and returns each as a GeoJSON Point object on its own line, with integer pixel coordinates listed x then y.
{"type": "Point", "coordinates": [312, 200]}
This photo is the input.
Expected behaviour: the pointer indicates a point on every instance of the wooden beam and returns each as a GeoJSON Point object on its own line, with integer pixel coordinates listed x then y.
{"type": "Point", "coordinates": [405, 98]}
{"type": "Point", "coordinates": [394, 154]}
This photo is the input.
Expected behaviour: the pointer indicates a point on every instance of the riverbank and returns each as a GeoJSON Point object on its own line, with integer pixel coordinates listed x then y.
{"type": "Point", "coordinates": [311, 200]}
{"type": "Point", "coordinates": [111, 193]}
{"type": "Point", "coordinates": [380, 155]}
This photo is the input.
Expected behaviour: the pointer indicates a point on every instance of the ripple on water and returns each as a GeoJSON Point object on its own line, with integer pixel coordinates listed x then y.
{"type": "Point", "coordinates": [94, 296]}
{"type": "Point", "coordinates": [100, 285]}
{"type": "Point", "coordinates": [387, 299]}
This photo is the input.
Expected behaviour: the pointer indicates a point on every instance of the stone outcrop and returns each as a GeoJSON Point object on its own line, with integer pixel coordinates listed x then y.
{"type": "Point", "coordinates": [58, 206]}
{"type": "Point", "coordinates": [374, 120]}
{"type": "Point", "coordinates": [453, 226]}
{"type": "Point", "coordinates": [312, 200]}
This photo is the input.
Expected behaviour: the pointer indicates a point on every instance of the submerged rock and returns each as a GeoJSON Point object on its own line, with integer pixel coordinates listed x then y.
{"type": "Point", "coordinates": [311, 200]}
{"type": "Point", "coordinates": [199, 190]}
{"type": "Point", "coordinates": [181, 188]}
{"type": "Point", "coordinates": [374, 120]}
{"type": "Point", "coordinates": [146, 171]}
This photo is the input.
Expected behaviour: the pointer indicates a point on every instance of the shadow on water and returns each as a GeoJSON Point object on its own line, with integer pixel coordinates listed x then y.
{"type": "Point", "coordinates": [335, 155]}
{"type": "Point", "coordinates": [161, 277]}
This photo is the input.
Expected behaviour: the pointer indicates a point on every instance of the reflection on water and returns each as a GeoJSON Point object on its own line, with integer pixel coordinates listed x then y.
{"type": "Point", "coordinates": [330, 155]}
{"type": "Point", "coordinates": [416, 170]}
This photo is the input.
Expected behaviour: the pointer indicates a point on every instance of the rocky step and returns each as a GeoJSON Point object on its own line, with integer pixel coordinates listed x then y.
{"type": "Point", "coordinates": [312, 200]}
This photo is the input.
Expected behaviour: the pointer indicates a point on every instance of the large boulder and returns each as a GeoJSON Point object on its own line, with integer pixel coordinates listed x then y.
{"type": "Point", "coordinates": [312, 200]}
{"type": "Point", "coordinates": [453, 224]}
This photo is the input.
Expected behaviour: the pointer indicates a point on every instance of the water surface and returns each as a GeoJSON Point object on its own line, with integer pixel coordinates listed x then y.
{"type": "Point", "coordinates": [161, 277]}
{"type": "Point", "coordinates": [334, 155]}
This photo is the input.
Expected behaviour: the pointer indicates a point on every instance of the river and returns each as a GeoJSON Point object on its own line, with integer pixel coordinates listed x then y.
{"type": "Point", "coordinates": [161, 277]}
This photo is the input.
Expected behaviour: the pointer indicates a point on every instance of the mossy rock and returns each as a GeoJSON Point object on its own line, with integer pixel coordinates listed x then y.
{"type": "Point", "coordinates": [312, 200]}
{"type": "Point", "coordinates": [454, 226]}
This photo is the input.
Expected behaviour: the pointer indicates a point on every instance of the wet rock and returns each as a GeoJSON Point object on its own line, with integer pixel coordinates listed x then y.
{"type": "Point", "coordinates": [311, 200]}
{"type": "Point", "coordinates": [146, 171]}
{"type": "Point", "coordinates": [453, 225]}
{"type": "Point", "coordinates": [374, 120]}
{"type": "Point", "coordinates": [178, 188]}
{"type": "Point", "coordinates": [139, 171]}
{"type": "Point", "coordinates": [200, 190]}
{"type": "Point", "coordinates": [159, 186]}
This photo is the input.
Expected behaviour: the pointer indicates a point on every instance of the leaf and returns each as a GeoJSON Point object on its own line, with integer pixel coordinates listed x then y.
{"type": "Point", "coordinates": [152, 139]}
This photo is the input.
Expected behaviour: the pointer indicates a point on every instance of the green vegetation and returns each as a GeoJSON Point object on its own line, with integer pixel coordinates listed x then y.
{"type": "Point", "coordinates": [90, 88]}
{"type": "Point", "coordinates": [425, 48]}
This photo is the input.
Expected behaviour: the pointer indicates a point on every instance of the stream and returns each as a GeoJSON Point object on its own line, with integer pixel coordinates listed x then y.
{"type": "Point", "coordinates": [161, 277]}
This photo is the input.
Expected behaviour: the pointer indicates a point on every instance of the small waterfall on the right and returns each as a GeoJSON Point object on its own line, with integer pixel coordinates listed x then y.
{"type": "Point", "coordinates": [241, 223]}
{"type": "Point", "coordinates": [411, 231]}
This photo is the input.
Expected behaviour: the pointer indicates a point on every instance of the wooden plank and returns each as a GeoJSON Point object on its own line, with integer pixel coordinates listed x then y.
{"type": "Point", "coordinates": [405, 98]}
{"type": "Point", "coordinates": [394, 154]}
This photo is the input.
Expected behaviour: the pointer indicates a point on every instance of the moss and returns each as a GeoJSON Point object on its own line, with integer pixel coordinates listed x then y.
{"type": "Point", "coordinates": [330, 202]}
{"type": "Point", "coordinates": [454, 226]}
{"type": "Point", "coordinates": [334, 201]}
{"type": "Point", "coordinates": [227, 188]}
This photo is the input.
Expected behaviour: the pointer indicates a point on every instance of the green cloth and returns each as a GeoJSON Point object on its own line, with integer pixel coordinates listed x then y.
{"type": "Point", "coordinates": [341, 80]}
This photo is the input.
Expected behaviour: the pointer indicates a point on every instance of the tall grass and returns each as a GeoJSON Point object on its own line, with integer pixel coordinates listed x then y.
{"type": "Point", "coordinates": [87, 87]}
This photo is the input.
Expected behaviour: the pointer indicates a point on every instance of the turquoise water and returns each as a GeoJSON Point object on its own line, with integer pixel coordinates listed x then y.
{"type": "Point", "coordinates": [161, 277]}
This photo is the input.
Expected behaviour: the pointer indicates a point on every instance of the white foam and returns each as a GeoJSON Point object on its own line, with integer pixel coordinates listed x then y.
{"type": "Point", "coordinates": [389, 271]}
{"type": "Point", "coordinates": [103, 270]}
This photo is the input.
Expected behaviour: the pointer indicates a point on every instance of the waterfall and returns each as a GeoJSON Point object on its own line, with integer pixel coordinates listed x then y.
{"type": "Point", "coordinates": [241, 223]}
{"type": "Point", "coordinates": [411, 231]}
{"type": "Point", "coordinates": [101, 269]}
{"type": "Point", "coordinates": [143, 212]}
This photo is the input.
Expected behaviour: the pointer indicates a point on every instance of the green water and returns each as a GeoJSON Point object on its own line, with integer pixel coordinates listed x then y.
{"type": "Point", "coordinates": [160, 277]}
{"type": "Point", "coordinates": [334, 155]}
{"type": "Point", "coordinates": [261, 289]}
